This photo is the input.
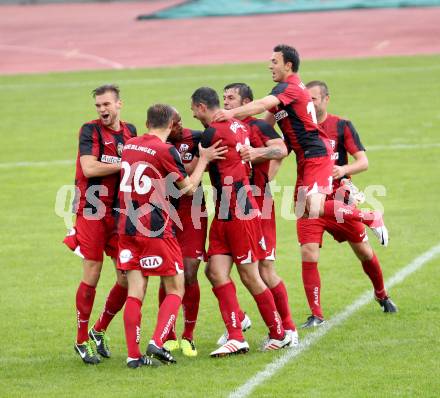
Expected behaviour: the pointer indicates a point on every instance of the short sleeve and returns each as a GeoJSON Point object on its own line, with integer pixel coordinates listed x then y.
{"type": "Point", "coordinates": [352, 141]}
{"type": "Point", "coordinates": [264, 130]}
{"type": "Point", "coordinates": [286, 93]}
{"type": "Point", "coordinates": [132, 129]}
{"type": "Point", "coordinates": [208, 137]}
{"type": "Point", "coordinates": [173, 164]}
{"type": "Point", "coordinates": [88, 140]}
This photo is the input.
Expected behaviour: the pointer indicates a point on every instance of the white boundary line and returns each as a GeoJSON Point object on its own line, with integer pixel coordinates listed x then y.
{"type": "Point", "coordinates": [156, 80]}
{"type": "Point", "coordinates": [372, 148]}
{"type": "Point", "coordinates": [67, 54]}
{"type": "Point", "coordinates": [272, 368]}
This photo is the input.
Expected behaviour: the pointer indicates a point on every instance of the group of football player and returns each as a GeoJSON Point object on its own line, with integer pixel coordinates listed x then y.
{"type": "Point", "coordinates": [139, 200]}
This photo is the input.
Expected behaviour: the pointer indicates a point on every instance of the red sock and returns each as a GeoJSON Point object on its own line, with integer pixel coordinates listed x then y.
{"type": "Point", "coordinates": [172, 334]}
{"type": "Point", "coordinates": [132, 324]}
{"type": "Point", "coordinates": [166, 318]}
{"type": "Point", "coordinates": [114, 303]}
{"type": "Point", "coordinates": [269, 313]}
{"type": "Point", "coordinates": [240, 312]}
{"type": "Point", "coordinates": [374, 272]}
{"type": "Point", "coordinates": [279, 293]}
{"type": "Point", "coordinates": [85, 296]}
{"type": "Point", "coordinates": [338, 210]}
{"type": "Point", "coordinates": [190, 306]}
{"type": "Point", "coordinates": [312, 287]}
{"type": "Point", "coordinates": [228, 303]}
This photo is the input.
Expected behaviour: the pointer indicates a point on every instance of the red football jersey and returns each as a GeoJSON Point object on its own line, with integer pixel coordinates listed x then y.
{"type": "Point", "coordinates": [261, 132]}
{"type": "Point", "coordinates": [343, 137]}
{"type": "Point", "coordinates": [106, 144]}
{"type": "Point", "coordinates": [230, 176]}
{"type": "Point", "coordinates": [344, 140]}
{"type": "Point", "coordinates": [149, 168]}
{"type": "Point", "coordinates": [294, 117]}
{"type": "Point", "coordinates": [188, 149]}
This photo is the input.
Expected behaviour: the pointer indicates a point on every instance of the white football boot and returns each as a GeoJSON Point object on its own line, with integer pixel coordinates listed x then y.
{"type": "Point", "coordinates": [245, 325]}
{"type": "Point", "coordinates": [231, 347]}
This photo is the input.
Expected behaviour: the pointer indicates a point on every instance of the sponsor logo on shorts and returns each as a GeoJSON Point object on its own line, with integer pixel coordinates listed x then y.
{"type": "Point", "coordinates": [187, 156]}
{"type": "Point", "coordinates": [280, 115]}
{"type": "Point", "coordinates": [125, 256]}
{"type": "Point", "coordinates": [151, 262]}
{"type": "Point", "coordinates": [335, 156]}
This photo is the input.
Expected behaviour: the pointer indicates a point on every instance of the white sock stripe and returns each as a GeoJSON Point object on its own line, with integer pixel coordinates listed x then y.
{"type": "Point", "coordinates": [273, 367]}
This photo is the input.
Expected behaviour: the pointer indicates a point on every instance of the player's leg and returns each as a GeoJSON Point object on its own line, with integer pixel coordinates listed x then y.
{"type": "Point", "coordinates": [85, 297]}
{"type": "Point", "coordinates": [218, 273]}
{"type": "Point", "coordinates": [174, 286]}
{"type": "Point", "coordinates": [371, 266]}
{"type": "Point", "coordinates": [114, 303]}
{"type": "Point", "coordinates": [250, 276]}
{"type": "Point", "coordinates": [279, 292]}
{"type": "Point", "coordinates": [137, 285]}
{"type": "Point", "coordinates": [190, 305]}
{"type": "Point", "coordinates": [312, 283]}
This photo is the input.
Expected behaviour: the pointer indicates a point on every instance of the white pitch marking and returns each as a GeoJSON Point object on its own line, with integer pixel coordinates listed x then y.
{"type": "Point", "coordinates": [37, 164]}
{"type": "Point", "coordinates": [156, 80]}
{"type": "Point", "coordinates": [394, 147]}
{"type": "Point", "coordinates": [272, 368]}
{"type": "Point", "coordinates": [69, 54]}
{"type": "Point", "coordinates": [382, 44]}
{"type": "Point", "coordinates": [372, 148]}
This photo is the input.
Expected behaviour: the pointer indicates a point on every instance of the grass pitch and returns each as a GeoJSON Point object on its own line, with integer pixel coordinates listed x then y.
{"type": "Point", "coordinates": [394, 104]}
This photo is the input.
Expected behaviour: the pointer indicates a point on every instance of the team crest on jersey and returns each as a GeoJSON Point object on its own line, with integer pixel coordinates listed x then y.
{"type": "Point", "coordinates": [120, 148]}
{"type": "Point", "coordinates": [235, 126]}
{"type": "Point", "coordinates": [187, 156]}
{"type": "Point", "coordinates": [183, 148]}
{"type": "Point", "coordinates": [151, 262]}
{"type": "Point", "coordinates": [280, 115]}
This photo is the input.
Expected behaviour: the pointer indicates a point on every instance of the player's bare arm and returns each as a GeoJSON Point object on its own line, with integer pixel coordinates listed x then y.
{"type": "Point", "coordinates": [274, 166]}
{"type": "Point", "coordinates": [249, 109]}
{"type": "Point", "coordinates": [360, 164]}
{"type": "Point", "coordinates": [92, 167]}
{"type": "Point", "coordinates": [274, 149]}
{"type": "Point", "coordinates": [269, 118]}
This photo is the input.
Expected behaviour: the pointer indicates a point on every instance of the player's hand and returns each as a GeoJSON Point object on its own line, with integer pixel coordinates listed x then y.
{"type": "Point", "coordinates": [214, 152]}
{"type": "Point", "coordinates": [222, 114]}
{"type": "Point", "coordinates": [247, 153]}
{"type": "Point", "coordinates": [338, 172]}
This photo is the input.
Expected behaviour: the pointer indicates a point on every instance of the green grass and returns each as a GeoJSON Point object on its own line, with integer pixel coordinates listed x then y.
{"type": "Point", "coordinates": [390, 101]}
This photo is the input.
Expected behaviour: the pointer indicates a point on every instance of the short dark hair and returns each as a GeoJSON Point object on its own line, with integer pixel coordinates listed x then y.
{"type": "Point", "coordinates": [322, 85]}
{"type": "Point", "coordinates": [243, 89]}
{"type": "Point", "coordinates": [207, 96]}
{"type": "Point", "coordinates": [105, 88]}
{"type": "Point", "coordinates": [290, 54]}
{"type": "Point", "coordinates": [160, 115]}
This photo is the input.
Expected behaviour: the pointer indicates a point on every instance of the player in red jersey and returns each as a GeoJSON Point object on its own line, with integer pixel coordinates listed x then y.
{"type": "Point", "coordinates": [147, 242]}
{"type": "Point", "coordinates": [345, 140]}
{"type": "Point", "coordinates": [290, 105]}
{"type": "Point", "coordinates": [96, 181]}
{"type": "Point", "coordinates": [266, 145]}
{"type": "Point", "coordinates": [191, 237]}
{"type": "Point", "coordinates": [235, 234]}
